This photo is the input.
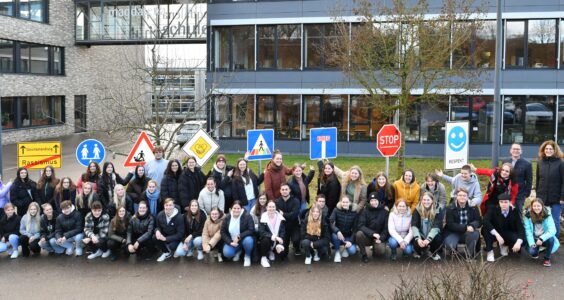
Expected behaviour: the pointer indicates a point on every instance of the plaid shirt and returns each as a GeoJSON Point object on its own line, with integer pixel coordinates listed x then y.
{"type": "Point", "coordinates": [101, 230]}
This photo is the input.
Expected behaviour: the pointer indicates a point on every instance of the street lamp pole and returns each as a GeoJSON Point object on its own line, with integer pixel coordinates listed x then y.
{"type": "Point", "coordinates": [496, 132]}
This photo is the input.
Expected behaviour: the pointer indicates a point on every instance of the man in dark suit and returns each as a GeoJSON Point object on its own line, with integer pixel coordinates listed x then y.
{"type": "Point", "coordinates": [522, 174]}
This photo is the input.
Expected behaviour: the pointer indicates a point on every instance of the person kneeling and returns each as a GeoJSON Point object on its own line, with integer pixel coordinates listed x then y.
{"type": "Point", "coordinates": [140, 231]}
{"type": "Point", "coordinates": [462, 222]}
{"type": "Point", "coordinates": [343, 222]}
{"type": "Point", "coordinates": [399, 227]}
{"type": "Point", "coordinates": [372, 226]}
{"type": "Point", "coordinates": [169, 230]}
{"type": "Point", "coordinates": [540, 231]}
{"type": "Point", "coordinates": [96, 227]}
{"type": "Point", "coordinates": [68, 230]}
{"type": "Point", "coordinates": [271, 229]}
{"type": "Point", "coordinates": [118, 232]}
{"type": "Point", "coordinates": [315, 235]}
{"type": "Point", "coordinates": [237, 231]}
{"type": "Point", "coordinates": [503, 223]}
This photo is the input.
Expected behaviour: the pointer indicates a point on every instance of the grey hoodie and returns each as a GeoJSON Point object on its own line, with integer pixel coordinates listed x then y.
{"type": "Point", "coordinates": [472, 186]}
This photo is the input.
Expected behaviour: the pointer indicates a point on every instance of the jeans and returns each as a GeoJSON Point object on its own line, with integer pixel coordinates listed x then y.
{"type": "Point", "coordinates": [13, 239]}
{"type": "Point", "coordinates": [303, 206]}
{"type": "Point", "coordinates": [394, 245]}
{"type": "Point", "coordinates": [46, 245]}
{"type": "Point", "coordinates": [77, 239]}
{"type": "Point", "coordinates": [250, 204]}
{"type": "Point", "coordinates": [337, 243]}
{"type": "Point", "coordinates": [247, 244]}
{"type": "Point", "coordinates": [556, 210]}
{"type": "Point", "coordinates": [549, 244]}
{"type": "Point", "coordinates": [470, 239]}
{"type": "Point", "coordinates": [194, 243]}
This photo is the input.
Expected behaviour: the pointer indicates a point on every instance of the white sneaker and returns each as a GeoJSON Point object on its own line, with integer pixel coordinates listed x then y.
{"type": "Point", "coordinates": [164, 257]}
{"type": "Point", "coordinates": [308, 260]}
{"type": "Point", "coordinates": [436, 257]}
{"type": "Point", "coordinates": [504, 250]}
{"type": "Point", "coordinates": [247, 261]}
{"type": "Point", "coordinates": [264, 262]}
{"type": "Point", "coordinates": [95, 254]}
{"type": "Point", "coordinates": [106, 253]}
{"type": "Point", "coordinates": [338, 256]}
{"type": "Point", "coordinates": [271, 256]}
{"type": "Point", "coordinates": [237, 256]}
{"type": "Point", "coordinates": [15, 254]}
{"type": "Point", "coordinates": [78, 252]}
{"type": "Point", "coordinates": [416, 255]}
{"type": "Point", "coordinates": [491, 257]}
{"type": "Point", "coordinates": [315, 257]}
{"type": "Point", "coordinates": [219, 257]}
{"type": "Point", "coordinates": [190, 253]}
{"type": "Point", "coordinates": [69, 251]}
{"type": "Point", "coordinates": [542, 248]}
{"type": "Point", "coordinates": [345, 252]}
{"type": "Point", "coordinates": [200, 254]}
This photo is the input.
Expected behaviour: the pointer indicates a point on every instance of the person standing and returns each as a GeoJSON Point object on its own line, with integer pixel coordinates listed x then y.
{"type": "Point", "coordinates": [219, 172]}
{"type": "Point", "coordinates": [522, 174]}
{"type": "Point", "coordinates": [169, 184]}
{"type": "Point", "coordinates": [107, 183]}
{"type": "Point", "coordinates": [91, 175]}
{"type": "Point", "coordinates": [299, 184]}
{"type": "Point", "coordinates": [328, 184]}
{"type": "Point", "coordinates": [437, 190]}
{"type": "Point", "coordinates": [211, 196]}
{"type": "Point", "coordinates": [23, 191]}
{"type": "Point", "coordinates": [46, 185]}
{"type": "Point", "coordinates": [467, 180]}
{"type": "Point", "coordinates": [550, 180]}
{"type": "Point", "coordinates": [408, 189]}
{"type": "Point", "coordinates": [155, 168]}
{"type": "Point", "coordinates": [274, 176]}
{"type": "Point", "coordinates": [190, 183]}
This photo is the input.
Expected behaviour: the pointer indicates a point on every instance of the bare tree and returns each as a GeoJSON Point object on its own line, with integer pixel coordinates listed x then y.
{"type": "Point", "coordinates": [403, 56]}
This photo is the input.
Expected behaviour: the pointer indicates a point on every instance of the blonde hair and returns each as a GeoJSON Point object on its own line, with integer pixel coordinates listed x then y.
{"type": "Point", "coordinates": [37, 217]}
{"type": "Point", "coordinates": [427, 213]}
{"type": "Point", "coordinates": [119, 201]}
{"type": "Point", "coordinates": [80, 197]}
{"type": "Point", "coordinates": [314, 226]}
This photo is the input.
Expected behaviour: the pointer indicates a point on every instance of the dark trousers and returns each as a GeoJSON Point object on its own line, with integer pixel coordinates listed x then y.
{"type": "Point", "coordinates": [102, 245]}
{"type": "Point", "coordinates": [27, 246]}
{"type": "Point", "coordinates": [321, 245]}
{"type": "Point", "coordinates": [115, 246]}
{"type": "Point", "coordinates": [364, 241]}
{"type": "Point", "coordinates": [509, 237]}
{"type": "Point", "coordinates": [145, 249]}
{"type": "Point", "coordinates": [433, 246]}
{"type": "Point", "coordinates": [292, 234]}
{"type": "Point", "coordinates": [266, 245]}
{"type": "Point", "coordinates": [470, 239]}
{"type": "Point", "coordinates": [166, 247]}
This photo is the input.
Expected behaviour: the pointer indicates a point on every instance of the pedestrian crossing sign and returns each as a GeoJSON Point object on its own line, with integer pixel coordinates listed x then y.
{"type": "Point", "coordinates": [260, 144]}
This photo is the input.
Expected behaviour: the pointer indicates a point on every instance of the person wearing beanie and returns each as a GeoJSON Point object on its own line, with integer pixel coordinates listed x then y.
{"type": "Point", "coordinates": [220, 173]}
{"type": "Point", "coordinates": [372, 226]}
{"type": "Point", "coordinates": [503, 223]}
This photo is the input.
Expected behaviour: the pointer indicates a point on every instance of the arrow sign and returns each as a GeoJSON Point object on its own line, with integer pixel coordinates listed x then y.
{"type": "Point", "coordinates": [23, 149]}
{"type": "Point", "coordinates": [55, 148]}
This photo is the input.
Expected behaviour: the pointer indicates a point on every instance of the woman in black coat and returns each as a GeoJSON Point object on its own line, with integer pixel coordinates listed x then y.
{"type": "Point", "coordinates": [220, 173]}
{"type": "Point", "coordinates": [190, 183]}
{"type": "Point", "coordinates": [550, 179]}
{"type": "Point", "coordinates": [297, 179]}
{"type": "Point", "coordinates": [242, 178]}
{"type": "Point", "coordinates": [194, 220]}
{"type": "Point", "coordinates": [137, 185]}
{"type": "Point", "coordinates": [107, 183]}
{"type": "Point", "coordinates": [169, 184]}
{"type": "Point", "coordinates": [46, 186]}
{"type": "Point", "coordinates": [242, 239]}
{"type": "Point", "coordinates": [328, 184]}
{"type": "Point", "coordinates": [23, 191]}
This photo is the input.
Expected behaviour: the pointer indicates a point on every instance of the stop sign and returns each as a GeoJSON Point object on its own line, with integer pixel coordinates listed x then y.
{"type": "Point", "coordinates": [388, 140]}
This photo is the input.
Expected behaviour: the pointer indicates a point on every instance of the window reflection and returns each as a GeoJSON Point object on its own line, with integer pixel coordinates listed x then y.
{"type": "Point", "coordinates": [542, 44]}
{"type": "Point", "coordinates": [325, 111]}
{"type": "Point", "coordinates": [532, 121]}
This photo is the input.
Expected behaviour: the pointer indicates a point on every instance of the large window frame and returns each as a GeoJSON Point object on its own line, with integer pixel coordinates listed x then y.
{"type": "Point", "coordinates": [53, 113]}
{"type": "Point", "coordinates": [27, 10]}
{"type": "Point", "coordinates": [230, 59]}
{"type": "Point", "coordinates": [269, 115]}
{"type": "Point", "coordinates": [277, 47]}
{"type": "Point", "coordinates": [25, 61]}
{"type": "Point", "coordinates": [514, 62]}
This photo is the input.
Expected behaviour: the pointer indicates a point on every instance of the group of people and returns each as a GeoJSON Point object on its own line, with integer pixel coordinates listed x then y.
{"type": "Point", "coordinates": [172, 209]}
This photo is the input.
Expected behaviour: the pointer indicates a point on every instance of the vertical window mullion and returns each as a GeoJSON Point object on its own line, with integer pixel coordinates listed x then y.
{"type": "Point", "coordinates": [276, 47]}
{"type": "Point", "coordinates": [526, 46]}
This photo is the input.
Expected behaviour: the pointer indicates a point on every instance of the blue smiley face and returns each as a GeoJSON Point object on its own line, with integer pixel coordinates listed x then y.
{"type": "Point", "coordinates": [457, 138]}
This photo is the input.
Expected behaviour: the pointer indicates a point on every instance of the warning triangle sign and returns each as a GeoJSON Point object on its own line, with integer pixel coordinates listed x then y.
{"type": "Point", "coordinates": [141, 152]}
{"type": "Point", "coordinates": [260, 147]}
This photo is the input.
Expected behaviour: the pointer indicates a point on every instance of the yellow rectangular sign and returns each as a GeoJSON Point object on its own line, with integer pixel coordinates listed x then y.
{"type": "Point", "coordinates": [37, 155]}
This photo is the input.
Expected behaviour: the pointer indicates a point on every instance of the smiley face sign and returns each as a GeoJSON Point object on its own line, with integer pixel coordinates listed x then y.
{"type": "Point", "coordinates": [456, 138]}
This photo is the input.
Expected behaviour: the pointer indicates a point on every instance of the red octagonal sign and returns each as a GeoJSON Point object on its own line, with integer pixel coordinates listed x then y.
{"type": "Point", "coordinates": [388, 140]}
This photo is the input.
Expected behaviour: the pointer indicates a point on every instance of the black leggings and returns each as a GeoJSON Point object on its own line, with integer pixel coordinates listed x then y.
{"type": "Point", "coordinates": [27, 246]}
{"type": "Point", "coordinates": [321, 245]}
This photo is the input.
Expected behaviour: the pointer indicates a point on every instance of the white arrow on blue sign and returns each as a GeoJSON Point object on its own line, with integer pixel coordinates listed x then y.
{"type": "Point", "coordinates": [90, 150]}
{"type": "Point", "coordinates": [323, 143]}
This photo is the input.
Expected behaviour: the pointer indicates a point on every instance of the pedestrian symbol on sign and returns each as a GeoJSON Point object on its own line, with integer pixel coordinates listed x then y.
{"type": "Point", "coordinates": [90, 151]}
{"type": "Point", "coordinates": [261, 148]}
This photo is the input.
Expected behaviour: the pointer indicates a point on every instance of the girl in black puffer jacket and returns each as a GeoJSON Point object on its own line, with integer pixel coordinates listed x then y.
{"type": "Point", "coordinates": [169, 184]}
{"type": "Point", "coordinates": [191, 182]}
{"type": "Point", "coordinates": [194, 221]}
{"type": "Point", "coordinates": [23, 191]}
{"type": "Point", "coordinates": [343, 222]}
{"type": "Point", "coordinates": [140, 232]}
{"type": "Point", "coordinates": [550, 179]}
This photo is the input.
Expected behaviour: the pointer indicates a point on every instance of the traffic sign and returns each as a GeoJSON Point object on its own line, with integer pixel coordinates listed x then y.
{"type": "Point", "coordinates": [457, 141]}
{"type": "Point", "coordinates": [201, 146]}
{"type": "Point", "coordinates": [141, 152]}
{"type": "Point", "coordinates": [260, 143]}
{"type": "Point", "coordinates": [323, 143]}
{"type": "Point", "coordinates": [388, 140]}
{"type": "Point", "coordinates": [90, 150]}
{"type": "Point", "coordinates": [37, 155]}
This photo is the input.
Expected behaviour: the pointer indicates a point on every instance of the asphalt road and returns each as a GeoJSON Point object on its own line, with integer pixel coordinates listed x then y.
{"type": "Point", "coordinates": [77, 278]}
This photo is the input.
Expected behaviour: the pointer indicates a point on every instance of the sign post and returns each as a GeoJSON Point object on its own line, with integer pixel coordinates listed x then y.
{"type": "Point", "coordinates": [90, 150]}
{"type": "Point", "coordinates": [322, 143]}
{"type": "Point", "coordinates": [388, 142]}
{"type": "Point", "coordinates": [456, 144]}
{"type": "Point", "coordinates": [201, 146]}
{"type": "Point", "coordinates": [37, 155]}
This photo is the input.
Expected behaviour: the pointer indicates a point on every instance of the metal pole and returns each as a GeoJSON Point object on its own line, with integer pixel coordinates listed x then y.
{"type": "Point", "coordinates": [1, 153]}
{"type": "Point", "coordinates": [497, 90]}
{"type": "Point", "coordinates": [387, 166]}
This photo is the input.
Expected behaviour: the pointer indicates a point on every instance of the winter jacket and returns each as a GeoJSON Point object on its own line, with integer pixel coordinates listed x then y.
{"type": "Point", "coordinates": [399, 226]}
{"type": "Point", "coordinates": [34, 228]}
{"type": "Point", "coordinates": [84, 207]}
{"type": "Point", "coordinates": [494, 220]}
{"type": "Point", "coordinates": [189, 186]}
{"type": "Point", "coordinates": [374, 220]}
{"type": "Point", "coordinates": [207, 200]}
{"type": "Point", "coordinates": [496, 187]}
{"type": "Point", "coordinates": [344, 220]}
{"type": "Point", "coordinates": [410, 192]}
{"type": "Point", "coordinates": [169, 189]}
{"type": "Point", "coordinates": [112, 209]}
{"type": "Point", "coordinates": [48, 227]}
{"type": "Point", "coordinates": [194, 227]}
{"type": "Point", "coordinates": [105, 188]}
{"type": "Point", "coordinates": [452, 223]}
{"type": "Point", "coordinates": [5, 193]}
{"type": "Point", "coordinates": [46, 193]}
{"type": "Point", "coordinates": [66, 194]}
{"type": "Point", "coordinates": [220, 179]}
{"type": "Point", "coordinates": [82, 179]}
{"type": "Point", "coordinates": [96, 226]}
{"type": "Point", "coordinates": [173, 227]}
{"type": "Point", "coordinates": [295, 186]}
{"type": "Point", "coordinates": [267, 231]}
{"type": "Point", "coordinates": [472, 186]}
{"type": "Point", "coordinates": [136, 188]}
{"type": "Point", "coordinates": [550, 180]}
{"type": "Point", "coordinates": [359, 197]}
{"type": "Point", "coordinates": [273, 179]}
{"type": "Point", "coordinates": [69, 225]}
{"type": "Point", "coordinates": [9, 226]}
{"type": "Point", "coordinates": [436, 225]}
{"type": "Point", "coordinates": [290, 210]}
{"type": "Point", "coordinates": [438, 192]}
{"type": "Point", "coordinates": [246, 227]}
{"type": "Point", "coordinates": [140, 228]}
{"type": "Point", "coordinates": [22, 194]}
{"type": "Point", "coordinates": [325, 232]}
{"type": "Point", "coordinates": [389, 200]}
{"type": "Point", "coordinates": [548, 226]}
{"type": "Point", "coordinates": [238, 187]}
{"type": "Point", "coordinates": [331, 189]}
{"type": "Point", "coordinates": [119, 236]}
{"type": "Point", "coordinates": [211, 234]}
{"type": "Point", "coordinates": [523, 175]}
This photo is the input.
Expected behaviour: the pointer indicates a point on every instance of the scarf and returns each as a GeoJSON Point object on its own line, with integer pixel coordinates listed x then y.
{"type": "Point", "coordinates": [153, 199]}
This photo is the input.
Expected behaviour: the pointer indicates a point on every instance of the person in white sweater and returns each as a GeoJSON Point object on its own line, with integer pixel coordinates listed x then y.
{"type": "Point", "coordinates": [399, 228]}
{"type": "Point", "coordinates": [211, 196]}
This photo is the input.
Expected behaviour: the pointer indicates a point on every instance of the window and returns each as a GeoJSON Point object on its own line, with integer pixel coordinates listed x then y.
{"type": "Point", "coordinates": [366, 119]}
{"type": "Point", "coordinates": [39, 59]}
{"type": "Point", "coordinates": [243, 47]}
{"type": "Point", "coordinates": [434, 114]}
{"type": "Point", "coordinates": [32, 58]}
{"type": "Point", "coordinates": [265, 112]}
{"type": "Point", "coordinates": [531, 44]}
{"type": "Point", "coordinates": [58, 68]}
{"type": "Point", "coordinates": [20, 112]}
{"type": "Point", "coordinates": [560, 118]}
{"type": "Point", "coordinates": [279, 47]}
{"type": "Point", "coordinates": [6, 56]}
{"type": "Point", "coordinates": [7, 7]}
{"type": "Point", "coordinates": [317, 41]}
{"type": "Point", "coordinates": [35, 10]}
{"type": "Point", "coordinates": [8, 113]}
{"type": "Point", "coordinates": [532, 119]}
{"type": "Point", "coordinates": [479, 111]}
{"type": "Point", "coordinates": [221, 48]}
{"type": "Point", "coordinates": [287, 116]}
{"type": "Point", "coordinates": [479, 50]}
{"type": "Point", "coordinates": [325, 111]}
{"type": "Point", "coordinates": [230, 113]}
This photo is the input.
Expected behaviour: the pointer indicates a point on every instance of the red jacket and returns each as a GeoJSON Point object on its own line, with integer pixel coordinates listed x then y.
{"type": "Point", "coordinates": [512, 187]}
{"type": "Point", "coordinates": [273, 179]}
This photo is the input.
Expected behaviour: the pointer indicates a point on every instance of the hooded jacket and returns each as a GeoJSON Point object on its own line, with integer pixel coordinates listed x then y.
{"type": "Point", "coordinates": [548, 226]}
{"type": "Point", "coordinates": [374, 220]}
{"type": "Point", "coordinates": [9, 226]}
{"type": "Point", "coordinates": [207, 200]}
{"type": "Point", "coordinates": [273, 179]}
{"type": "Point", "coordinates": [452, 223]}
{"type": "Point", "coordinates": [190, 184]}
{"type": "Point", "coordinates": [48, 227]}
{"type": "Point", "coordinates": [472, 186]}
{"type": "Point", "coordinates": [246, 227]}
{"type": "Point", "coordinates": [266, 230]}
{"type": "Point", "coordinates": [410, 192]}
{"type": "Point", "coordinates": [140, 228]}
{"type": "Point", "coordinates": [211, 234]}
{"type": "Point", "coordinates": [435, 224]}
{"type": "Point", "coordinates": [169, 188]}
{"type": "Point", "coordinates": [69, 225]}
{"type": "Point", "coordinates": [344, 220]}
{"type": "Point", "coordinates": [399, 226]}
{"type": "Point", "coordinates": [550, 180]}
{"type": "Point", "coordinates": [171, 227]}
{"type": "Point", "coordinates": [136, 188]}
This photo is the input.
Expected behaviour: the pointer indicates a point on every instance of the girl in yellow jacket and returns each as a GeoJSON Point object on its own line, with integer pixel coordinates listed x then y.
{"type": "Point", "coordinates": [407, 188]}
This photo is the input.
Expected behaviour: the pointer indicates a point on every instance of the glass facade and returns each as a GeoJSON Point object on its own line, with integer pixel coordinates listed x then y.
{"type": "Point", "coordinates": [21, 112]}
{"type": "Point", "coordinates": [279, 47]}
{"type": "Point", "coordinates": [31, 58]}
{"type": "Point", "coordinates": [366, 119]}
{"type": "Point", "coordinates": [531, 43]}
{"type": "Point", "coordinates": [234, 48]}
{"type": "Point", "coordinates": [532, 119]}
{"type": "Point", "coordinates": [236, 113]}
{"type": "Point", "coordinates": [34, 10]}
{"type": "Point", "coordinates": [317, 49]}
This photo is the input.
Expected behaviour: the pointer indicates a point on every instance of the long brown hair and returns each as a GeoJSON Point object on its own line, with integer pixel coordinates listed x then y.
{"type": "Point", "coordinates": [118, 224]}
{"type": "Point", "coordinates": [59, 187]}
{"type": "Point", "coordinates": [43, 180]}
{"type": "Point", "coordinates": [238, 176]}
{"type": "Point", "coordinates": [388, 188]}
{"type": "Point", "coordinates": [189, 215]}
{"type": "Point", "coordinates": [557, 152]}
{"type": "Point", "coordinates": [538, 218]}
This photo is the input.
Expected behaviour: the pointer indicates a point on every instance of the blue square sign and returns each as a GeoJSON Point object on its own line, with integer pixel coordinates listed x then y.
{"type": "Point", "coordinates": [260, 144]}
{"type": "Point", "coordinates": [323, 143]}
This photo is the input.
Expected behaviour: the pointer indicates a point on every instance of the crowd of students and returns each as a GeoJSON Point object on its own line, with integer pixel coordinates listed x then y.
{"type": "Point", "coordinates": [164, 209]}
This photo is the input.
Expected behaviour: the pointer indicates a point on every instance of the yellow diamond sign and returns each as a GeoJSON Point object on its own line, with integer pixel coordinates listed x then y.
{"type": "Point", "coordinates": [201, 146]}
